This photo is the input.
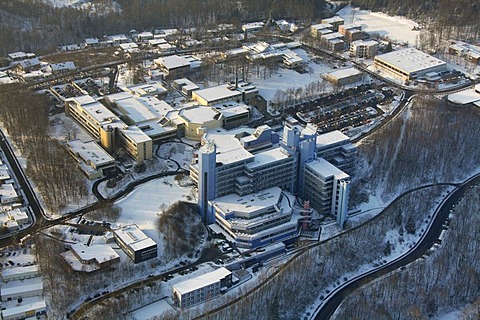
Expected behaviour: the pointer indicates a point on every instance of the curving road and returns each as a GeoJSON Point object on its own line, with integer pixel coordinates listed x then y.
{"type": "Point", "coordinates": [327, 309]}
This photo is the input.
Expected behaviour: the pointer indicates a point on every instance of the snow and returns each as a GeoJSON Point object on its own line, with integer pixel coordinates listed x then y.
{"type": "Point", "coordinates": [142, 205]}
{"type": "Point", "coordinates": [395, 28]}
{"type": "Point", "coordinates": [288, 78]}
{"type": "Point", "coordinates": [152, 310]}
{"type": "Point", "coordinates": [454, 315]}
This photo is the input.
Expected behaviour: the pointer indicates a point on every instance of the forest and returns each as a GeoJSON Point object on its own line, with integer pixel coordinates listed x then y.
{"type": "Point", "coordinates": [32, 25]}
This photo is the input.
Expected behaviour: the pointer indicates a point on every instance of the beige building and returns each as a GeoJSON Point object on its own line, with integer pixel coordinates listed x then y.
{"type": "Point", "coordinates": [335, 21]}
{"type": "Point", "coordinates": [198, 119]}
{"type": "Point", "coordinates": [363, 49]}
{"type": "Point", "coordinates": [352, 32]}
{"type": "Point", "coordinates": [344, 76]}
{"type": "Point", "coordinates": [318, 30]}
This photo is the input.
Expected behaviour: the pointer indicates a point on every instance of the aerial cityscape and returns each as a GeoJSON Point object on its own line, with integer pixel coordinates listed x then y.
{"type": "Point", "coordinates": [276, 159]}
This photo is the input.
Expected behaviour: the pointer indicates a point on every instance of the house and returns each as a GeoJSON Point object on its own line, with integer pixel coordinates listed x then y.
{"type": "Point", "coordinates": [90, 258]}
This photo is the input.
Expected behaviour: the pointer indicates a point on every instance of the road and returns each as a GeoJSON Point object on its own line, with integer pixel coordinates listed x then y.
{"type": "Point", "coordinates": [337, 297]}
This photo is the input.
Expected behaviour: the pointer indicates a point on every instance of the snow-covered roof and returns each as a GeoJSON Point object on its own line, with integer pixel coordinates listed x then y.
{"type": "Point", "coordinates": [364, 43]}
{"type": "Point", "coordinates": [229, 148]}
{"type": "Point", "coordinates": [326, 169]}
{"type": "Point", "coordinates": [128, 46]}
{"type": "Point", "coordinates": [147, 89]}
{"type": "Point", "coordinates": [331, 138]}
{"type": "Point", "coordinates": [157, 41]}
{"type": "Point", "coordinates": [465, 96]}
{"type": "Point", "coordinates": [174, 62]}
{"type": "Point", "coordinates": [21, 287]}
{"type": "Point", "coordinates": [410, 60]}
{"type": "Point", "coordinates": [135, 134]}
{"type": "Point", "coordinates": [18, 271]}
{"type": "Point", "coordinates": [67, 65]}
{"type": "Point", "coordinates": [98, 252]}
{"type": "Point", "coordinates": [201, 281]}
{"type": "Point", "coordinates": [90, 152]}
{"type": "Point", "coordinates": [344, 73]}
{"type": "Point", "coordinates": [267, 157]}
{"type": "Point", "coordinates": [133, 237]}
{"type": "Point", "coordinates": [17, 215]}
{"type": "Point", "coordinates": [99, 112]}
{"type": "Point", "coordinates": [8, 191]}
{"type": "Point", "coordinates": [91, 41]}
{"type": "Point", "coordinates": [252, 26]}
{"type": "Point", "coordinates": [220, 92]}
{"type": "Point", "coordinates": [333, 35]}
{"type": "Point", "coordinates": [332, 19]}
{"type": "Point", "coordinates": [199, 114]}
{"type": "Point", "coordinates": [248, 203]}
{"type": "Point", "coordinates": [22, 310]}
{"type": "Point", "coordinates": [321, 26]}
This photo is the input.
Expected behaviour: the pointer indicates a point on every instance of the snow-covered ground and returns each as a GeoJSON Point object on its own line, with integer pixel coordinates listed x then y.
{"type": "Point", "coordinates": [91, 6]}
{"type": "Point", "coordinates": [396, 28]}
{"type": "Point", "coordinates": [143, 204]}
{"type": "Point", "coordinates": [285, 78]}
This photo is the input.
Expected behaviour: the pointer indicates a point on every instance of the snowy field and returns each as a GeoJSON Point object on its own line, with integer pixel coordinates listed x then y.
{"type": "Point", "coordinates": [142, 205]}
{"type": "Point", "coordinates": [284, 78]}
{"type": "Point", "coordinates": [109, 6]}
{"type": "Point", "coordinates": [395, 28]}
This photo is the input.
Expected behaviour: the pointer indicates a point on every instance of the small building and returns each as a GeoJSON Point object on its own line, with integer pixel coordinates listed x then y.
{"type": "Point", "coordinates": [253, 27]}
{"type": "Point", "coordinates": [92, 159]}
{"type": "Point", "coordinates": [317, 30]}
{"type": "Point", "coordinates": [27, 310]}
{"type": "Point", "coordinates": [12, 225]}
{"type": "Point", "coordinates": [144, 36]}
{"type": "Point", "coordinates": [185, 86]}
{"type": "Point", "coordinates": [89, 259]}
{"type": "Point", "coordinates": [175, 66]}
{"type": "Point", "coordinates": [19, 290]}
{"type": "Point", "coordinates": [92, 42]}
{"type": "Point", "coordinates": [334, 21]}
{"type": "Point", "coordinates": [63, 67]}
{"type": "Point", "coordinates": [202, 288]}
{"type": "Point", "coordinates": [409, 63]}
{"type": "Point", "coordinates": [333, 41]}
{"type": "Point", "coordinates": [136, 244]}
{"type": "Point", "coordinates": [17, 215]}
{"type": "Point", "coordinates": [20, 55]}
{"type": "Point", "coordinates": [20, 273]}
{"type": "Point", "coordinates": [344, 76]}
{"type": "Point", "coordinates": [292, 61]}
{"type": "Point", "coordinates": [363, 48]}
{"type": "Point", "coordinates": [468, 51]}
{"type": "Point", "coordinates": [129, 47]}
{"type": "Point", "coordinates": [352, 32]}
{"type": "Point", "coordinates": [29, 65]}
{"type": "Point", "coordinates": [8, 194]}
{"type": "Point", "coordinates": [147, 89]}
{"type": "Point", "coordinates": [4, 174]}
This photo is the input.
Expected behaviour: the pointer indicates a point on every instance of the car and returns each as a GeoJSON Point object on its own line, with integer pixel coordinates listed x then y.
{"type": "Point", "coordinates": [183, 263]}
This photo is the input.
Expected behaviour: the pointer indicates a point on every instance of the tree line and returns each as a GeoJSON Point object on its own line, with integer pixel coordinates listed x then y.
{"type": "Point", "coordinates": [32, 25]}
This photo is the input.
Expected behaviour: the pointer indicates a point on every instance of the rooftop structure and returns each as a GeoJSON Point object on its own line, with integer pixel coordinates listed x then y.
{"type": "Point", "coordinates": [27, 310]}
{"type": "Point", "coordinates": [344, 76]}
{"type": "Point", "coordinates": [253, 26]}
{"type": "Point", "coordinates": [335, 21]}
{"type": "Point", "coordinates": [363, 48]}
{"type": "Point", "coordinates": [20, 273]}
{"type": "Point", "coordinates": [186, 86]}
{"type": "Point", "coordinates": [8, 194]}
{"type": "Point", "coordinates": [177, 65]}
{"type": "Point", "coordinates": [409, 63]}
{"type": "Point", "coordinates": [137, 245]}
{"type": "Point", "coordinates": [19, 289]}
{"type": "Point", "coordinates": [147, 89]}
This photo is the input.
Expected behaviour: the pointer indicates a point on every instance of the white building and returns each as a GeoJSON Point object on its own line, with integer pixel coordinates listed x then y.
{"type": "Point", "coordinates": [91, 258]}
{"type": "Point", "coordinates": [25, 311]}
{"type": "Point", "coordinates": [202, 288]}
{"type": "Point", "coordinates": [17, 215]}
{"type": "Point", "coordinates": [409, 63]}
{"type": "Point", "coordinates": [22, 289]}
{"type": "Point", "coordinates": [363, 48]}
{"type": "Point", "coordinates": [8, 194]}
{"type": "Point", "coordinates": [136, 244]}
{"type": "Point", "coordinates": [92, 159]}
{"type": "Point", "coordinates": [20, 273]}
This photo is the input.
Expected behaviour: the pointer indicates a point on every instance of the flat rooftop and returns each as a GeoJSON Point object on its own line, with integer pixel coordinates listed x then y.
{"type": "Point", "coordinates": [410, 60]}
{"type": "Point", "coordinates": [229, 148]}
{"type": "Point", "coordinates": [267, 157]}
{"type": "Point", "coordinates": [344, 73]}
{"type": "Point", "coordinates": [140, 109]}
{"type": "Point", "coordinates": [174, 62]}
{"type": "Point", "coordinates": [321, 26]}
{"type": "Point", "coordinates": [199, 114]}
{"type": "Point", "coordinates": [8, 191]}
{"type": "Point", "coordinates": [22, 286]}
{"type": "Point", "coordinates": [331, 138]}
{"type": "Point", "coordinates": [90, 152]}
{"type": "Point", "coordinates": [221, 92]}
{"type": "Point", "coordinates": [248, 203]}
{"type": "Point", "coordinates": [147, 89]}
{"type": "Point", "coordinates": [133, 237]}
{"type": "Point", "coordinates": [326, 169]}
{"type": "Point", "coordinates": [201, 281]}
{"type": "Point", "coordinates": [10, 312]}
{"type": "Point", "coordinates": [100, 253]}
{"type": "Point", "coordinates": [332, 36]}
{"type": "Point", "coordinates": [134, 133]}
{"type": "Point", "coordinates": [18, 271]}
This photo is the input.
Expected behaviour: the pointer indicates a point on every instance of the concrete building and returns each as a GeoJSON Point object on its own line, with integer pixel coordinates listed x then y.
{"type": "Point", "coordinates": [327, 189]}
{"type": "Point", "coordinates": [8, 194]}
{"type": "Point", "coordinates": [103, 125]}
{"type": "Point", "coordinates": [363, 48]}
{"type": "Point", "coordinates": [468, 51]}
{"type": "Point", "coordinates": [175, 66]}
{"type": "Point", "coordinates": [25, 311]}
{"type": "Point", "coordinates": [92, 159]}
{"type": "Point", "coordinates": [136, 244]}
{"type": "Point", "coordinates": [199, 119]}
{"type": "Point", "coordinates": [240, 164]}
{"type": "Point", "coordinates": [334, 21]}
{"type": "Point", "coordinates": [218, 94]}
{"type": "Point", "coordinates": [333, 41]}
{"type": "Point", "coordinates": [352, 32]}
{"type": "Point", "coordinates": [202, 288]}
{"type": "Point", "coordinates": [185, 86]}
{"type": "Point", "coordinates": [18, 216]}
{"type": "Point", "coordinates": [409, 63]}
{"type": "Point", "coordinates": [318, 30]}
{"type": "Point", "coordinates": [343, 77]}
{"type": "Point", "coordinates": [20, 273]}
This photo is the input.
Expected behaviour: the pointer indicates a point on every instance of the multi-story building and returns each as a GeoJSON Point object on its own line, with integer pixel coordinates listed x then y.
{"type": "Point", "coordinates": [103, 125]}
{"type": "Point", "coordinates": [236, 165]}
{"type": "Point", "coordinates": [352, 32]}
{"type": "Point", "coordinates": [136, 244]}
{"type": "Point", "coordinates": [363, 48]}
{"type": "Point", "coordinates": [202, 288]}
{"type": "Point", "coordinates": [318, 30]}
{"type": "Point", "coordinates": [334, 21]}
